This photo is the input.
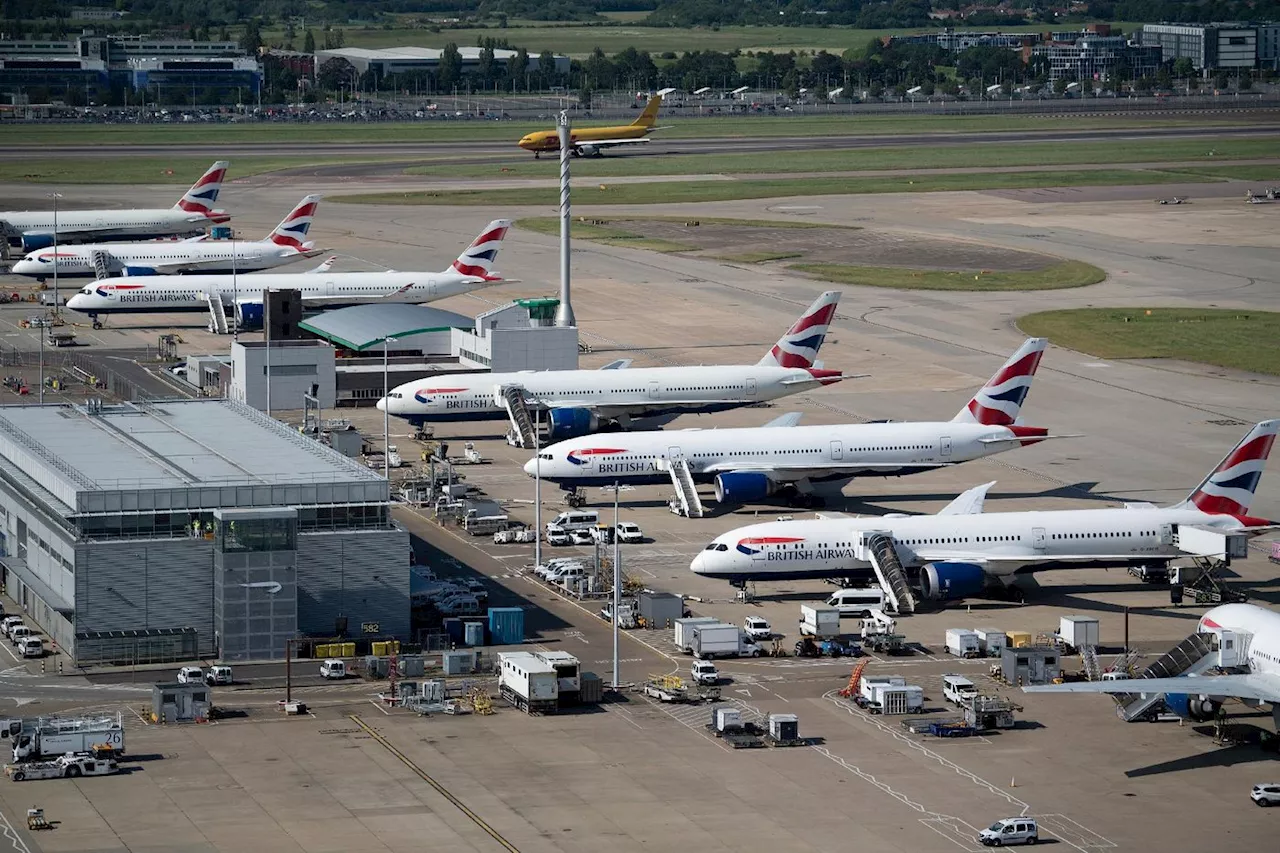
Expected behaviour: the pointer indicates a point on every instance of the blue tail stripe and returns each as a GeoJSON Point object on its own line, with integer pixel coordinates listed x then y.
{"type": "Point", "coordinates": [1248, 482]}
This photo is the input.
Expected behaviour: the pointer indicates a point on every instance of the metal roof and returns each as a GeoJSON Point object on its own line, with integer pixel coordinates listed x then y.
{"type": "Point", "coordinates": [174, 444]}
{"type": "Point", "coordinates": [364, 326]}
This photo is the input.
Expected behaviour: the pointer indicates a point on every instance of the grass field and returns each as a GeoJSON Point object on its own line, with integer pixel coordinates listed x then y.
{"type": "Point", "coordinates": [1241, 340]}
{"type": "Point", "coordinates": [145, 170]}
{"type": "Point", "coordinates": [705, 191]}
{"type": "Point", "coordinates": [625, 231]}
{"type": "Point", "coordinates": [607, 234]}
{"type": "Point", "coordinates": [758, 257]}
{"type": "Point", "coordinates": [870, 159]}
{"type": "Point", "coordinates": [616, 35]}
{"type": "Point", "coordinates": [447, 130]}
{"type": "Point", "coordinates": [1236, 173]}
{"type": "Point", "coordinates": [1060, 275]}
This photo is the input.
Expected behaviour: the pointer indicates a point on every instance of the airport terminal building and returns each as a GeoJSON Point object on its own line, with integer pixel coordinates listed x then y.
{"type": "Point", "coordinates": [191, 528]}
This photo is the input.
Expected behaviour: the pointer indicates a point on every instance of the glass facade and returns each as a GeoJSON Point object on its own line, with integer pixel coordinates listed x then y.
{"type": "Point", "coordinates": [257, 535]}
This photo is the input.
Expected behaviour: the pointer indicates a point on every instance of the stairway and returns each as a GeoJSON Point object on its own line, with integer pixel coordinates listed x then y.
{"type": "Point", "coordinates": [888, 568]}
{"type": "Point", "coordinates": [686, 490]}
{"type": "Point", "coordinates": [1089, 660]}
{"type": "Point", "coordinates": [1194, 655]}
{"type": "Point", "coordinates": [101, 264]}
{"type": "Point", "coordinates": [217, 314]}
{"type": "Point", "coordinates": [511, 398]}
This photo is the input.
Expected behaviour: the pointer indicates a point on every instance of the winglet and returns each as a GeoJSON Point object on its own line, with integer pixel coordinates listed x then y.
{"type": "Point", "coordinates": [618, 364]}
{"type": "Point", "coordinates": [327, 265]}
{"type": "Point", "coordinates": [968, 502]}
{"type": "Point", "coordinates": [998, 402]}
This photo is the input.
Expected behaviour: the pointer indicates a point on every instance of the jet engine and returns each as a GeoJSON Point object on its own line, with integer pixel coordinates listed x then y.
{"type": "Point", "coordinates": [951, 581]}
{"type": "Point", "coordinates": [741, 488]}
{"type": "Point", "coordinates": [571, 423]}
{"type": "Point", "coordinates": [586, 151]}
{"type": "Point", "coordinates": [1190, 706]}
{"type": "Point", "coordinates": [32, 242]}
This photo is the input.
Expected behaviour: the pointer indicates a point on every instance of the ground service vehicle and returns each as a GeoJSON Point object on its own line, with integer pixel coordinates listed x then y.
{"type": "Point", "coordinates": [963, 643]}
{"type": "Point", "coordinates": [31, 647]}
{"type": "Point", "coordinates": [69, 766]}
{"type": "Point", "coordinates": [19, 632]}
{"type": "Point", "coordinates": [578, 519]}
{"type": "Point", "coordinates": [1266, 794]}
{"type": "Point", "coordinates": [557, 535]}
{"type": "Point", "coordinates": [720, 639]}
{"type": "Point", "coordinates": [528, 682]}
{"type": "Point", "coordinates": [8, 622]}
{"type": "Point", "coordinates": [582, 536]}
{"type": "Point", "coordinates": [857, 602]}
{"type": "Point", "coordinates": [334, 669]}
{"type": "Point", "coordinates": [191, 675]}
{"type": "Point", "coordinates": [957, 689]}
{"type": "Point", "coordinates": [757, 628]}
{"type": "Point", "coordinates": [819, 620]}
{"type": "Point", "coordinates": [58, 736]}
{"type": "Point", "coordinates": [684, 630]}
{"type": "Point", "coordinates": [1010, 830]}
{"type": "Point", "coordinates": [630, 532]}
{"type": "Point", "coordinates": [704, 672]}
{"type": "Point", "coordinates": [218, 675]}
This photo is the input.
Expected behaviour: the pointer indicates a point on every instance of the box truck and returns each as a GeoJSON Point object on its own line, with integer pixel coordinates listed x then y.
{"type": "Point", "coordinates": [56, 736]}
{"type": "Point", "coordinates": [962, 643]}
{"type": "Point", "coordinates": [1075, 632]}
{"type": "Point", "coordinates": [528, 682]}
{"type": "Point", "coordinates": [819, 620]}
{"type": "Point", "coordinates": [682, 633]}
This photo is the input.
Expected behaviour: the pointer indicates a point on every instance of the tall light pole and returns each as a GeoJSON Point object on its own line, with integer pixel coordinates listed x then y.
{"type": "Point", "coordinates": [617, 581]}
{"type": "Point", "coordinates": [386, 408]}
{"type": "Point", "coordinates": [235, 295]}
{"type": "Point", "coordinates": [564, 312]}
{"type": "Point", "coordinates": [55, 197]}
{"type": "Point", "coordinates": [537, 487]}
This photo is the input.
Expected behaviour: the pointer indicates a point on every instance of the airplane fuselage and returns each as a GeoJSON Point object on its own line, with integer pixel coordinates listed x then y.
{"type": "Point", "coordinates": [141, 294]}
{"type": "Point", "coordinates": [632, 391]}
{"type": "Point", "coordinates": [549, 140]}
{"type": "Point", "coordinates": [1001, 543]}
{"type": "Point", "coordinates": [79, 225]}
{"type": "Point", "coordinates": [211, 257]}
{"type": "Point", "coordinates": [817, 453]}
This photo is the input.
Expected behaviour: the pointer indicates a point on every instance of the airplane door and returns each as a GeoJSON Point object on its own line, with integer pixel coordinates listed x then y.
{"type": "Point", "coordinates": [330, 288]}
{"type": "Point", "coordinates": [432, 293]}
{"type": "Point", "coordinates": [837, 451]}
{"type": "Point", "coordinates": [674, 453]}
{"type": "Point", "coordinates": [751, 387]}
{"type": "Point", "coordinates": [944, 447]}
{"type": "Point", "coordinates": [1166, 534]}
{"type": "Point", "coordinates": [653, 391]}
{"type": "Point", "coordinates": [1038, 538]}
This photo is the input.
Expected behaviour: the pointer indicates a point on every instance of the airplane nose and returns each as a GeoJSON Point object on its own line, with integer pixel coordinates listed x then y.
{"type": "Point", "coordinates": [531, 467]}
{"type": "Point", "coordinates": [698, 566]}
{"type": "Point", "coordinates": [382, 404]}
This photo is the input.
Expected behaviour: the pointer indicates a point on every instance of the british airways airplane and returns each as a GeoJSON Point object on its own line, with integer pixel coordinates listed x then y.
{"type": "Point", "coordinates": [319, 288]}
{"type": "Point", "coordinates": [961, 550]}
{"type": "Point", "coordinates": [751, 464]}
{"type": "Point", "coordinates": [285, 244]}
{"type": "Point", "coordinates": [579, 402]}
{"type": "Point", "coordinates": [193, 213]}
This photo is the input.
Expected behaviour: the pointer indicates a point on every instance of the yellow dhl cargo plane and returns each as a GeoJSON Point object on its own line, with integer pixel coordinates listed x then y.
{"type": "Point", "coordinates": [591, 141]}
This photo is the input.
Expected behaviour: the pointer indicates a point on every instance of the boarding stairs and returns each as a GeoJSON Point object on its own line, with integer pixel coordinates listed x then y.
{"type": "Point", "coordinates": [1194, 655]}
{"type": "Point", "coordinates": [101, 264]}
{"type": "Point", "coordinates": [217, 314]}
{"type": "Point", "coordinates": [522, 432]}
{"type": "Point", "coordinates": [1089, 660]}
{"type": "Point", "coordinates": [883, 556]}
{"type": "Point", "coordinates": [686, 489]}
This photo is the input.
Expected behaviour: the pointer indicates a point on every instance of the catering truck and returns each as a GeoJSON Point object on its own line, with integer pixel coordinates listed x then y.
{"type": "Point", "coordinates": [53, 736]}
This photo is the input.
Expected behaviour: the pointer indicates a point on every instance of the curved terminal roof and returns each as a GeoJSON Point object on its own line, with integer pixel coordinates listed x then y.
{"type": "Point", "coordinates": [363, 327]}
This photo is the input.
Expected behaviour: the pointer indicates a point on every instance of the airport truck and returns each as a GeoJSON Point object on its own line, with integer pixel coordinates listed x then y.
{"type": "Point", "coordinates": [684, 632]}
{"type": "Point", "coordinates": [69, 766]}
{"type": "Point", "coordinates": [819, 620]}
{"type": "Point", "coordinates": [57, 736]}
{"type": "Point", "coordinates": [528, 682]}
{"type": "Point", "coordinates": [1076, 632]}
{"type": "Point", "coordinates": [721, 640]}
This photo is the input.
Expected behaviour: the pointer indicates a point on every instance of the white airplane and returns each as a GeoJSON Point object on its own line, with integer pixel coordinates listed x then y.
{"type": "Point", "coordinates": [1246, 637]}
{"type": "Point", "coordinates": [193, 212]}
{"type": "Point", "coordinates": [283, 245]}
{"type": "Point", "coordinates": [751, 464]}
{"type": "Point", "coordinates": [579, 402]}
{"type": "Point", "coordinates": [961, 550]}
{"type": "Point", "coordinates": [320, 288]}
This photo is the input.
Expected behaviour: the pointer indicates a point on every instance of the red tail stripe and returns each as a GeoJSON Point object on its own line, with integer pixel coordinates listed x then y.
{"type": "Point", "coordinates": [467, 269]}
{"type": "Point", "coordinates": [988, 417]}
{"type": "Point", "coordinates": [789, 359]}
{"type": "Point", "coordinates": [1258, 448]}
{"type": "Point", "coordinates": [821, 317]}
{"type": "Point", "coordinates": [1025, 366]}
{"type": "Point", "coordinates": [308, 209]}
{"type": "Point", "coordinates": [495, 234]}
{"type": "Point", "coordinates": [1216, 504]}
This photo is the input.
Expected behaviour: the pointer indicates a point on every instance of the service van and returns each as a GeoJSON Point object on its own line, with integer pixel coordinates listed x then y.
{"type": "Point", "coordinates": [857, 602]}
{"type": "Point", "coordinates": [20, 632]}
{"type": "Point", "coordinates": [564, 574]}
{"type": "Point", "coordinates": [1011, 830]}
{"type": "Point", "coordinates": [191, 675]}
{"type": "Point", "coordinates": [557, 535]}
{"type": "Point", "coordinates": [218, 675]}
{"type": "Point", "coordinates": [6, 624]}
{"type": "Point", "coordinates": [582, 536]}
{"type": "Point", "coordinates": [578, 519]}
{"type": "Point", "coordinates": [333, 669]}
{"type": "Point", "coordinates": [957, 689]}
{"type": "Point", "coordinates": [31, 647]}
{"type": "Point", "coordinates": [630, 532]}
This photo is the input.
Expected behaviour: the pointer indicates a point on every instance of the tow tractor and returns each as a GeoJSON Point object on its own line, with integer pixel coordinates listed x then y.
{"type": "Point", "coordinates": [69, 766]}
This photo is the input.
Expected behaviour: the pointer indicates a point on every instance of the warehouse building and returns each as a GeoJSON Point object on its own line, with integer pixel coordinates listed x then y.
{"type": "Point", "coordinates": [1216, 46]}
{"type": "Point", "coordinates": [193, 528]}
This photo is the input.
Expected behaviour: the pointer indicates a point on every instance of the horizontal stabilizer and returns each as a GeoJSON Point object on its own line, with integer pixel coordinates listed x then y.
{"type": "Point", "coordinates": [1020, 438]}
{"type": "Point", "coordinates": [790, 419]}
{"type": "Point", "coordinates": [618, 364]}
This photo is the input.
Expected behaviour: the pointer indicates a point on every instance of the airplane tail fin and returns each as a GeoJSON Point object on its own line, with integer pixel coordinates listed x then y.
{"type": "Point", "coordinates": [1229, 488]}
{"type": "Point", "coordinates": [477, 260]}
{"type": "Point", "coordinates": [799, 346]}
{"type": "Point", "coordinates": [292, 230]}
{"type": "Point", "coordinates": [649, 117]}
{"type": "Point", "coordinates": [998, 402]}
{"type": "Point", "coordinates": [200, 198]}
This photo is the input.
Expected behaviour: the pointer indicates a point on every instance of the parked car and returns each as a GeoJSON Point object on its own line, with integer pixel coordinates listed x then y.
{"type": "Point", "coordinates": [582, 536]}
{"type": "Point", "coordinates": [218, 675]}
{"type": "Point", "coordinates": [557, 535]}
{"type": "Point", "coordinates": [191, 675]}
{"type": "Point", "coordinates": [757, 628]}
{"type": "Point", "coordinates": [7, 624]}
{"type": "Point", "coordinates": [1010, 830]}
{"type": "Point", "coordinates": [1266, 794]}
{"type": "Point", "coordinates": [630, 532]}
{"type": "Point", "coordinates": [704, 672]}
{"type": "Point", "coordinates": [31, 647]}
{"type": "Point", "coordinates": [333, 669]}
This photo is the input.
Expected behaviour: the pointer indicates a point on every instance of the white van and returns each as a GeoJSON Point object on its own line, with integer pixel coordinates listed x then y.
{"type": "Point", "coordinates": [578, 519]}
{"type": "Point", "coordinates": [31, 647]}
{"type": "Point", "coordinates": [1011, 830]}
{"type": "Point", "coordinates": [857, 602]}
{"type": "Point", "coordinates": [19, 632]}
{"type": "Point", "coordinates": [557, 535]}
{"type": "Point", "coordinates": [191, 675]}
{"type": "Point", "coordinates": [957, 689]}
{"type": "Point", "coordinates": [334, 669]}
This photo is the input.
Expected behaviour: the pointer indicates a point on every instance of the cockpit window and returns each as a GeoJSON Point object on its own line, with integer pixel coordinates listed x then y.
{"type": "Point", "coordinates": [88, 291]}
{"type": "Point", "coordinates": [716, 546]}
{"type": "Point", "coordinates": [546, 456]}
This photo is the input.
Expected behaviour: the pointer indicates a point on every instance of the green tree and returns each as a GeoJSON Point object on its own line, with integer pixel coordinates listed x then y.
{"type": "Point", "coordinates": [1060, 85]}
{"type": "Point", "coordinates": [309, 42]}
{"type": "Point", "coordinates": [252, 38]}
{"type": "Point", "coordinates": [485, 66]}
{"type": "Point", "coordinates": [449, 71]}
{"type": "Point", "coordinates": [1183, 67]}
{"type": "Point", "coordinates": [518, 68]}
{"type": "Point", "coordinates": [334, 72]}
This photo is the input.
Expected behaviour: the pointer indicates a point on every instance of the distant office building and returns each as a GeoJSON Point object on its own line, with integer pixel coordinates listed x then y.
{"type": "Point", "coordinates": [400, 60]}
{"type": "Point", "coordinates": [1098, 57]}
{"type": "Point", "coordinates": [1214, 46]}
{"type": "Point", "coordinates": [94, 65]}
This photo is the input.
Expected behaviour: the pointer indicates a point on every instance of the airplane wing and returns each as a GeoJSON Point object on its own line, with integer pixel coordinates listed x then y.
{"type": "Point", "coordinates": [790, 419]}
{"type": "Point", "coordinates": [619, 364]}
{"type": "Point", "coordinates": [608, 143]}
{"type": "Point", "coordinates": [327, 265]}
{"type": "Point", "coordinates": [969, 502]}
{"type": "Point", "coordinates": [1259, 687]}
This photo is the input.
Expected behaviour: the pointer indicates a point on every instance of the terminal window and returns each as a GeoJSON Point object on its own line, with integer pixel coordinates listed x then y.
{"type": "Point", "coordinates": [258, 534]}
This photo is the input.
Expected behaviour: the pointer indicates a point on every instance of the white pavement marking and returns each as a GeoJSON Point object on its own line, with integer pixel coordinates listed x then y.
{"type": "Point", "coordinates": [11, 654]}
{"type": "Point", "coordinates": [11, 835]}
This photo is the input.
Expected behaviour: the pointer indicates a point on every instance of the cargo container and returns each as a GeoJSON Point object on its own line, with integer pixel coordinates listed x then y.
{"type": "Point", "coordinates": [412, 666]}
{"type": "Point", "coordinates": [453, 628]}
{"type": "Point", "coordinates": [660, 608]}
{"type": "Point", "coordinates": [715, 639]}
{"type": "Point", "coordinates": [870, 683]}
{"type": "Point", "coordinates": [473, 633]}
{"type": "Point", "coordinates": [897, 699]}
{"type": "Point", "coordinates": [682, 626]}
{"type": "Point", "coordinates": [568, 672]}
{"type": "Point", "coordinates": [528, 682]}
{"type": "Point", "coordinates": [990, 641]}
{"type": "Point", "coordinates": [506, 626]}
{"type": "Point", "coordinates": [962, 643]}
{"type": "Point", "coordinates": [1076, 632]}
{"type": "Point", "coordinates": [726, 719]}
{"type": "Point", "coordinates": [458, 662]}
{"type": "Point", "coordinates": [784, 727]}
{"type": "Point", "coordinates": [819, 620]}
{"type": "Point", "coordinates": [1019, 639]}
{"type": "Point", "coordinates": [592, 689]}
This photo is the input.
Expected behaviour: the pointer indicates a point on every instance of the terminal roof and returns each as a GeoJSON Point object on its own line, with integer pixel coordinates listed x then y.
{"type": "Point", "coordinates": [365, 326]}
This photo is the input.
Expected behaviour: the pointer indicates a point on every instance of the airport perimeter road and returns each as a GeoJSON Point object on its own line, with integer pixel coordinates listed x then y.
{"type": "Point", "coordinates": [700, 145]}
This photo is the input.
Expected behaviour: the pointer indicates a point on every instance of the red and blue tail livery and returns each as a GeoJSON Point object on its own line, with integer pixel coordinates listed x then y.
{"type": "Point", "coordinates": [799, 346]}
{"type": "Point", "coordinates": [477, 260]}
{"type": "Point", "coordinates": [200, 199]}
{"type": "Point", "coordinates": [292, 231]}
{"type": "Point", "coordinates": [999, 401]}
{"type": "Point", "coordinates": [1229, 489]}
